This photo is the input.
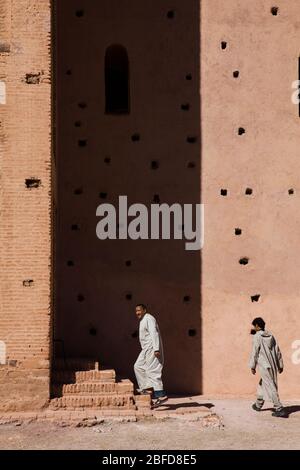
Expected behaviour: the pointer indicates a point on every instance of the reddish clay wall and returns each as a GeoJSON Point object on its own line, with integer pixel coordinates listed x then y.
{"type": "Point", "coordinates": [204, 302]}
{"type": "Point", "coordinates": [264, 48]}
{"type": "Point", "coordinates": [25, 212]}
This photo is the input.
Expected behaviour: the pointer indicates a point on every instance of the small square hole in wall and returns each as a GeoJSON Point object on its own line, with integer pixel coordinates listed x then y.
{"type": "Point", "coordinates": [79, 13]}
{"type": "Point", "coordinates": [154, 165]}
{"type": "Point", "coordinates": [255, 298]}
{"type": "Point", "coordinates": [236, 74]}
{"type": "Point", "coordinates": [192, 332]}
{"type": "Point", "coordinates": [274, 11]}
{"type": "Point", "coordinates": [69, 72]}
{"type": "Point", "coordinates": [134, 334]}
{"type": "Point", "coordinates": [32, 183]}
{"type": "Point", "coordinates": [33, 78]}
{"type": "Point", "coordinates": [77, 124]}
{"type": "Point", "coordinates": [185, 107]}
{"type": "Point", "coordinates": [135, 137]}
{"type": "Point", "coordinates": [241, 131]}
{"type": "Point", "coordinates": [191, 165]}
{"type": "Point", "coordinates": [78, 191]}
{"type": "Point", "coordinates": [128, 263]}
{"type": "Point", "coordinates": [4, 47]}
{"type": "Point", "coordinates": [186, 298]}
{"type": "Point", "coordinates": [13, 362]}
{"type": "Point", "coordinates": [248, 191]}
{"type": "Point", "coordinates": [70, 263]}
{"type": "Point", "coordinates": [291, 191]}
{"type": "Point", "coordinates": [82, 143]}
{"type": "Point", "coordinates": [82, 105]}
{"type": "Point", "coordinates": [107, 160]}
{"type": "Point", "coordinates": [171, 14]}
{"type": "Point", "coordinates": [93, 331]}
{"type": "Point", "coordinates": [223, 45]}
{"type": "Point", "coordinates": [128, 296]}
{"type": "Point", "coordinates": [191, 139]}
{"type": "Point", "coordinates": [156, 199]}
{"type": "Point", "coordinates": [188, 76]}
{"type": "Point", "coordinates": [244, 261]}
{"type": "Point", "coordinates": [223, 192]}
{"type": "Point", "coordinates": [103, 195]}
{"type": "Point", "coordinates": [74, 227]}
{"type": "Point", "coordinates": [238, 231]}
{"type": "Point", "coordinates": [80, 298]}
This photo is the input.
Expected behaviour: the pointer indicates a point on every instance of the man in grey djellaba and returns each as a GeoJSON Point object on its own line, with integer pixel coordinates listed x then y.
{"type": "Point", "coordinates": [266, 356]}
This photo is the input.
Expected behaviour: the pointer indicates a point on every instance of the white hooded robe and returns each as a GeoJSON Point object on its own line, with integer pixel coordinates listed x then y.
{"type": "Point", "coordinates": [148, 368]}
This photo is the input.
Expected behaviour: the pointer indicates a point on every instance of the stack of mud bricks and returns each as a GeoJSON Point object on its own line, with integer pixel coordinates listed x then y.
{"type": "Point", "coordinates": [80, 385]}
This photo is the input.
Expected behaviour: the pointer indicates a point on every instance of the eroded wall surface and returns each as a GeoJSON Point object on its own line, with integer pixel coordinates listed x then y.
{"type": "Point", "coordinates": [25, 133]}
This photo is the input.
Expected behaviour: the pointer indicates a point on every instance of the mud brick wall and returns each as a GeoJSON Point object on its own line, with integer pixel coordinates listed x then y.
{"type": "Point", "coordinates": [211, 118]}
{"type": "Point", "coordinates": [250, 186]}
{"type": "Point", "coordinates": [25, 202]}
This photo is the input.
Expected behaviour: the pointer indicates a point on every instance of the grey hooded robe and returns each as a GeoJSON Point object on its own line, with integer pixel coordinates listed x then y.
{"type": "Point", "coordinates": [267, 356]}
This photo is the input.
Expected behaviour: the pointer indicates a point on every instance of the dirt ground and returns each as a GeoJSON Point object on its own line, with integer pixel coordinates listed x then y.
{"type": "Point", "coordinates": [242, 429]}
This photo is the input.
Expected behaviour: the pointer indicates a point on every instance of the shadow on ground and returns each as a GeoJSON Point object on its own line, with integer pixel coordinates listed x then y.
{"type": "Point", "coordinates": [288, 409]}
{"type": "Point", "coordinates": [192, 404]}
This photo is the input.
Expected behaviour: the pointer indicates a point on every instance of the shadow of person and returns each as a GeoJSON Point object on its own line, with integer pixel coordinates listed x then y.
{"type": "Point", "coordinates": [193, 404]}
{"type": "Point", "coordinates": [291, 409]}
{"type": "Point", "coordinates": [288, 409]}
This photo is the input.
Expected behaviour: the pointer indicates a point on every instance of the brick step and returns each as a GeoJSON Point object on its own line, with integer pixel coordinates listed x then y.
{"type": "Point", "coordinates": [108, 375]}
{"type": "Point", "coordinates": [67, 376]}
{"type": "Point", "coordinates": [103, 402]}
{"type": "Point", "coordinates": [74, 364]}
{"type": "Point", "coordinates": [96, 388]}
{"type": "Point", "coordinates": [93, 388]}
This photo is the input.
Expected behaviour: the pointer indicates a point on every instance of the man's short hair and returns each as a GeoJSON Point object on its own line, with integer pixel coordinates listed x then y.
{"type": "Point", "coordinates": [141, 305]}
{"type": "Point", "coordinates": [259, 322]}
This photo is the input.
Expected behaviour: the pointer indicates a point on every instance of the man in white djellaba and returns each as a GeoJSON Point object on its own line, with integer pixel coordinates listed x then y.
{"type": "Point", "coordinates": [149, 364]}
{"type": "Point", "coordinates": [266, 356]}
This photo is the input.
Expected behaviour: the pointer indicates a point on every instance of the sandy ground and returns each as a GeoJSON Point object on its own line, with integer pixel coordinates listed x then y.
{"type": "Point", "coordinates": [243, 429]}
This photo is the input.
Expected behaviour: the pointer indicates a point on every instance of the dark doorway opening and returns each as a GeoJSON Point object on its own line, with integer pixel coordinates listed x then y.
{"type": "Point", "coordinates": [95, 288]}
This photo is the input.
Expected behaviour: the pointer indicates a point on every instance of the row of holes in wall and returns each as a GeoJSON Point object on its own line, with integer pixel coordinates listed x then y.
{"type": "Point", "coordinates": [191, 139]}
{"type": "Point", "coordinates": [33, 183]}
{"type": "Point", "coordinates": [117, 87]}
{"type": "Point", "coordinates": [186, 298]}
{"type": "Point", "coordinates": [170, 14]}
{"type": "Point", "coordinates": [93, 332]}
{"type": "Point", "coordinates": [249, 192]}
